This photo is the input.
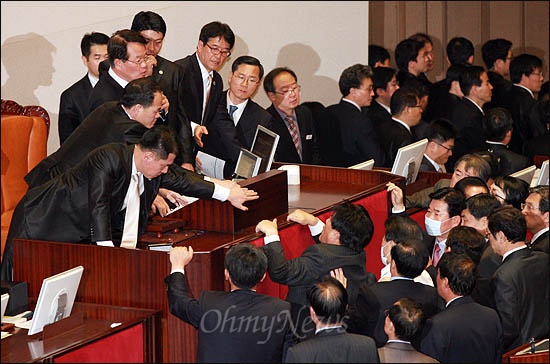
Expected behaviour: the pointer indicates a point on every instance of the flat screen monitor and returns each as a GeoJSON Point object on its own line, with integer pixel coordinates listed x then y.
{"type": "Point", "coordinates": [525, 174]}
{"type": "Point", "coordinates": [365, 166]}
{"type": "Point", "coordinates": [247, 166]}
{"type": "Point", "coordinates": [55, 300]}
{"type": "Point", "coordinates": [5, 299]}
{"type": "Point", "coordinates": [264, 145]}
{"type": "Point", "coordinates": [408, 160]}
{"type": "Point", "coordinates": [543, 176]}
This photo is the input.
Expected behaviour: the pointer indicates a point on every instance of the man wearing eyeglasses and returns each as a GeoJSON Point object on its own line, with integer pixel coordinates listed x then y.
{"type": "Point", "coordinates": [127, 62]}
{"type": "Point", "coordinates": [201, 89]}
{"type": "Point", "coordinates": [535, 210]}
{"type": "Point", "coordinates": [292, 121]}
{"type": "Point", "coordinates": [440, 146]}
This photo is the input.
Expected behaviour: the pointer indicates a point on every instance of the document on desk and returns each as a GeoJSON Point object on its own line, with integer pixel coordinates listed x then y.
{"type": "Point", "coordinates": [210, 165]}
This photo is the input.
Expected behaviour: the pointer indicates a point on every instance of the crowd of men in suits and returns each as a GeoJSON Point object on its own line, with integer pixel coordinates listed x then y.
{"type": "Point", "coordinates": [475, 288]}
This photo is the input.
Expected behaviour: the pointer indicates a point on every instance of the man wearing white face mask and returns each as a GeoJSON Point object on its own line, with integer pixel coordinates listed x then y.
{"type": "Point", "coordinates": [400, 228]}
{"type": "Point", "coordinates": [443, 214]}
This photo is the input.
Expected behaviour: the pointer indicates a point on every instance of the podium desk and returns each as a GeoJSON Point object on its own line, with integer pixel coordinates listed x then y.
{"type": "Point", "coordinates": [522, 354]}
{"type": "Point", "coordinates": [134, 337]}
{"type": "Point", "coordinates": [135, 278]}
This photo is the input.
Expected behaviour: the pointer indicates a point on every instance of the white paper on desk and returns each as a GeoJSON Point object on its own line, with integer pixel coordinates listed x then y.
{"type": "Point", "coordinates": [210, 165]}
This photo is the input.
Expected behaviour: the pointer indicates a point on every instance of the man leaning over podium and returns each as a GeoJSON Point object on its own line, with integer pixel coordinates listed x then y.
{"type": "Point", "coordinates": [87, 203]}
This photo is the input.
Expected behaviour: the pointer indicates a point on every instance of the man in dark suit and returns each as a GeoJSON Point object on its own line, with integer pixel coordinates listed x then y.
{"type": "Point", "coordinates": [340, 243]}
{"type": "Point", "coordinates": [127, 62]}
{"type": "Point", "coordinates": [497, 54]}
{"type": "Point", "coordinates": [73, 104]}
{"type": "Point", "coordinates": [403, 324]}
{"type": "Point", "coordinates": [467, 114]}
{"type": "Point", "coordinates": [357, 131]}
{"type": "Point", "coordinates": [498, 128]}
{"type": "Point", "coordinates": [328, 301]}
{"type": "Point", "coordinates": [384, 83]}
{"type": "Point", "coordinates": [240, 326]}
{"type": "Point", "coordinates": [441, 142]}
{"type": "Point", "coordinates": [235, 123]}
{"type": "Point", "coordinates": [464, 331]}
{"type": "Point", "coordinates": [536, 214]}
{"type": "Point", "coordinates": [446, 94]}
{"type": "Point", "coordinates": [168, 75]}
{"type": "Point", "coordinates": [413, 58]}
{"type": "Point", "coordinates": [406, 113]}
{"type": "Point", "coordinates": [201, 90]}
{"type": "Point", "coordinates": [526, 74]}
{"type": "Point", "coordinates": [521, 284]}
{"type": "Point", "coordinates": [409, 258]}
{"type": "Point", "coordinates": [292, 121]}
{"type": "Point", "coordinates": [87, 203]}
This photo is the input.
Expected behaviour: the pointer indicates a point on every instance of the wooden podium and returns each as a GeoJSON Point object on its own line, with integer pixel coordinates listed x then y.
{"type": "Point", "coordinates": [523, 354]}
{"type": "Point", "coordinates": [135, 278]}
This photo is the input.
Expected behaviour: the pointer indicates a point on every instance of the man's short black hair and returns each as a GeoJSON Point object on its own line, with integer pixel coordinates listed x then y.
{"type": "Point", "coordinates": [90, 39]}
{"type": "Point", "coordinates": [161, 140]}
{"type": "Point", "coordinates": [452, 197]}
{"type": "Point", "coordinates": [377, 54]}
{"type": "Point", "coordinates": [401, 228]}
{"type": "Point", "coordinates": [148, 20]}
{"type": "Point", "coordinates": [510, 221]}
{"type": "Point", "coordinates": [466, 240]}
{"type": "Point", "coordinates": [482, 205]}
{"type": "Point", "coordinates": [329, 300]}
{"type": "Point", "coordinates": [459, 269]}
{"type": "Point", "coordinates": [410, 257]}
{"type": "Point", "coordinates": [249, 60]}
{"type": "Point", "coordinates": [217, 29]}
{"type": "Point", "coordinates": [246, 265]}
{"type": "Point", "coordinates": [354, 224]}
{"type": "Point", "coordinates": [407, 318]}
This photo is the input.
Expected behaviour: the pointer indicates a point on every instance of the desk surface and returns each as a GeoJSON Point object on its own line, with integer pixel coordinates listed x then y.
{"type": "Point", "coordinates": [22, 348]}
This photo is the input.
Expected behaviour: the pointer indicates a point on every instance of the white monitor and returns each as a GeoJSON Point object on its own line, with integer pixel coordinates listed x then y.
{"type": "Point", "coordinates": [365, 166]}
{"type": "Point", "coordinates": [55, 300]}
{"type": "Point", "coordinates": [525, 174]}
{"type": "Point", "coordinates": [408, 160]}
{"type": "Point", "coordinates": [264, 145]}
{"type": "Point", "coordinates": [543, 175]}
{"type": "Point", "coordinates": [247, 166]}
{"type": "Point", "coordinates": [5, 299]}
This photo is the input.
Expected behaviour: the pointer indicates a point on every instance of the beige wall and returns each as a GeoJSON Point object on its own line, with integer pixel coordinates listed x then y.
{"type": "Point", "coordinates": [41, 41]}
{"type": "Point", "coordinates": [525, 23]}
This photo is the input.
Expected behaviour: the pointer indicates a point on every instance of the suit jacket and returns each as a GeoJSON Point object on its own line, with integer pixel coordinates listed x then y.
{"type": "Point", "coordinates": [386, 293]}
{"type": "Point", "coordinates": [378, 115]}
{"type": "Point", "coordinates": [394, 137]}
{"type": "Point", "coordinates": [541, 243]}
{"type": "Point", "coordinates": [422, 198]}
{"type": "Point", "coordinates": [359, 137]}
{"type": "Point", "coordinates": [169, 77]}
{"type": "Point", "coordinates": [501, 89]}
{"type": "Point", "coordinates": [398, 352]}
{"type": "Point", "coordinates": [334, 346]}
{"type": "Point", "coordinates": [252, 116]}
{"type": "Point", "coordinates": [73, 107]}
{"type": "Point", "coordinates": [509, 161]}
{"type": "Point", "coordinates": [83, 205]}
{"type": "Point", "coordinates": [521, 285]}
{"type": "Point", "coordinates": [241, 326]}
{"type": "Point", "coordinates": [427, 166]}
{"type": "Point", "coordinates": [527, 123]}
{"type": "Point", "coordinates": [465, 332]}
{"type": "Point", "coordinates": [485, 269]}
{"type": "Point", "coordinates": [191, 91]}
{"type": "Point", "coordinates": [109, 123]}
{"type": "Point", "coordinates": [466, 117]}
{"type": "Point", "coordinates": [286, 152]}
{"type": "Point", "coordinates": [106, 89]}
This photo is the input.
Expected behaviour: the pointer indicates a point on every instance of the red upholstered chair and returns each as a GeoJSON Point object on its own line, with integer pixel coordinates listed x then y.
{"type": "Point", "coordinates": [24, 144]}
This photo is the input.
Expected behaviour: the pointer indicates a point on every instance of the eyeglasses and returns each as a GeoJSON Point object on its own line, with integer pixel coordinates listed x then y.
{"type": "Point", "coordinates": [537, 74]}
{"type": "Point", "coordinates": [529, 207]}
{"type": "Point", "coordinates": [217, 51]}
{"type": "Point", "coordinates": [251, 80]}
{"type": "Point", "coordinates": [419, 105]}
{"type": "Point", "coordinates": [139, 62]}
{"type": "Point", "coordinates": [450, 149]}
{"type": "Point", "coordinates": [368, 89]}
{"type": "Point", "coordinates": [294, 90]}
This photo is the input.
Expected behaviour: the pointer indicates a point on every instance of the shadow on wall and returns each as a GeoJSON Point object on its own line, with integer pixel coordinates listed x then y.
{"type": "Point", "coordinates": [28, 60]}
{"type": "Point", "coordinates": [305, 62]}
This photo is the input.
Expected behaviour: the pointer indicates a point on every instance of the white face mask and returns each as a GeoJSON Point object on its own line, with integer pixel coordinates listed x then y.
{"type": "Point", "coordinates": [433, 227]}
{"type": "Point", "coordinates": [382, 256]}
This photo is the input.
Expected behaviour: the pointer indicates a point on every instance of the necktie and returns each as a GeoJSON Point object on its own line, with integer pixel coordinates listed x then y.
{"type": "Point", "coordinates": [232, 109]}
{"type": "Point", "coordinates": [294, 134]}
{"type": "Point", "coordinates": [131, 221]}
{"type": "Point", "coordinates": [435, 259]}
{"type": "Point", "coordinates": [207, 97]}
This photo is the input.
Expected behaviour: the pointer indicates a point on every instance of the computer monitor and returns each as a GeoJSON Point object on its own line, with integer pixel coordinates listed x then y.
{"type": "Point", "coordinates": [55, 300]}
{"type": "Point", "coordinates": [408, 160]}
{"type": "Point", "coordinates": [247, 166]}
{"type": "Point", "coordinates": [5, 299]}
{"type": "Point", "coordinates": [543, 175]}
{"type": "Point", "coordinates": [264, 145]}
{"type": "Point", "coordinates": [525, 174]}
{"type": "Point", "coordinates": [365, 166]}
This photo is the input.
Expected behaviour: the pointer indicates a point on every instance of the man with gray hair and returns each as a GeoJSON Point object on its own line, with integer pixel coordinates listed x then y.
{"type": "Point", "coordinates": [535, 210]}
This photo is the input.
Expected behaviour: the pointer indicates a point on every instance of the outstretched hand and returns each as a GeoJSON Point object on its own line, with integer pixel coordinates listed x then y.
{"type": "Point", "coordinates": [180, 256]}
{"type": "Point", "coordinates": [301, 217]}
{"type": "Point", "coordinates": [239, 195]}
{"type": "Point", "coordinates": [396, 194]}
{"type": "Point", "coordinates": [268, 227]}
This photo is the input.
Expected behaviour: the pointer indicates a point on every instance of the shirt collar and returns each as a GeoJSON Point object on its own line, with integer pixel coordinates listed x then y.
{"type": "Point", "coordinates": [328, 328]}
{"type": "Point", "coordinates": [402, 123]}
{"type": "Point", "coordinates": [523, 87]}
{"type": "Point", "coordinates": [387, 108]}
{"type": "Point", "coordinates": [117, 78]}
{"type": "Point", "coordinates": [352, 102]}
{"type": "Point", "coordinates": [448, 303]}
{"type": "Point", "coordinates": [204, 71]}
{"type": "Point", "coordinates": [93, 80]}
{"type": "Point", "coordinates": [522, 246]}
{"type": "Point", "coordinates": [539, 233]}
{"type": "Point", "coordinates": [473, 102]}
{"type": "Point", "coordinates": [434, 163]}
